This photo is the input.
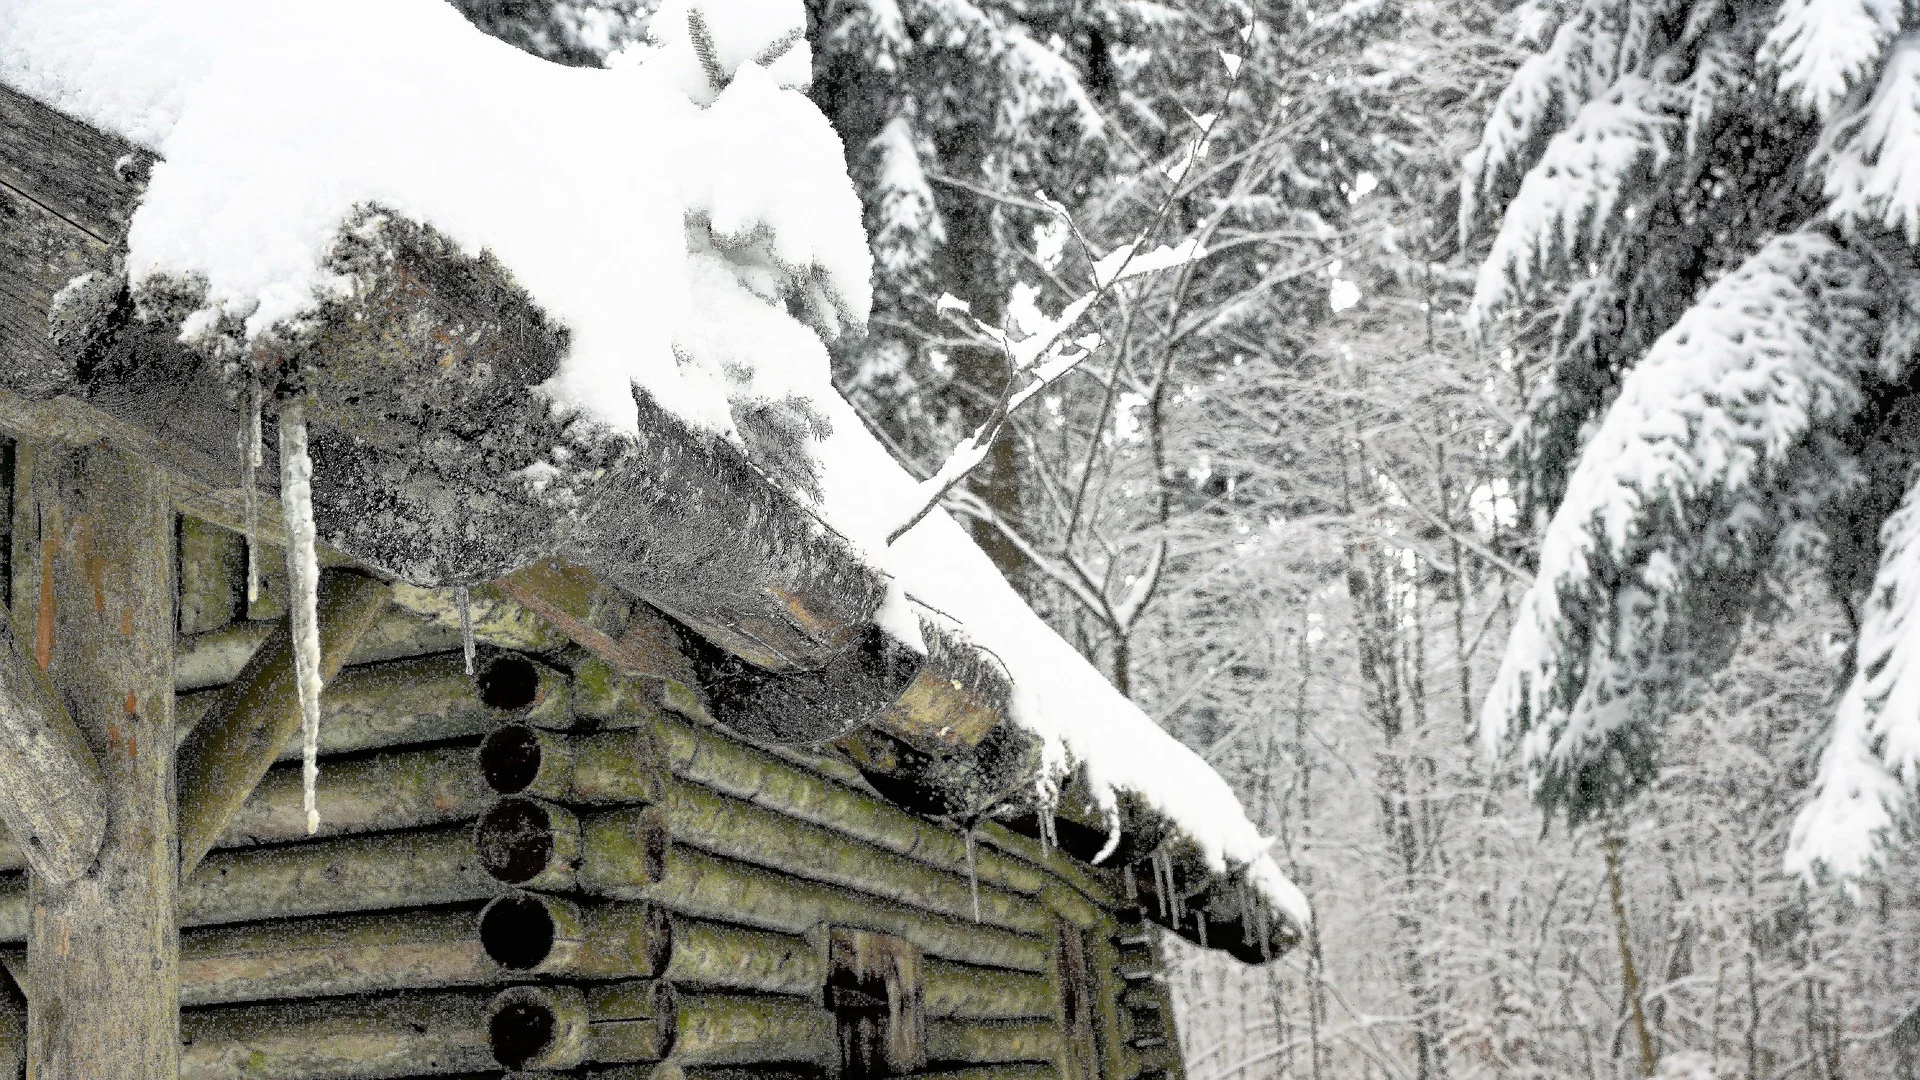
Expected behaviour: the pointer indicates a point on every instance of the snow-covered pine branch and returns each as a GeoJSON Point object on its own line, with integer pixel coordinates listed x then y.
{"type": "Point", "coordinates": [1672, 512]}
{"type": "Point", "coordinates": [1873, 175]}
{"type": "Point", "coordinates": [1569, 199]}
{"type": "Point", "coordinates": [1872, 757]}
{"type": "Point", "coordinates": [1823, 48]}
{"type": "Point", "coordinates": [1577, 66]}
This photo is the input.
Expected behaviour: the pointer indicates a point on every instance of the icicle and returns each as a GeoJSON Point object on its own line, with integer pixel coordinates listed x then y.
{"type": "Point", "coordinates": [1200, 924]}
{"type": "Point", "coordinates": [250, 461]}
{"type": "Point", "coordinates": [1162, 875]}
{"type": "Point", "coordinates": [303, 592]}
{"type": "Point", "coordinates": [973, 875]}
{"type": "Point", "coordinates": [1131, 887]}
{"type": "Point", "coordinates": [465, 600]}
{"type": "Point", "coordinates": [1049, 831]}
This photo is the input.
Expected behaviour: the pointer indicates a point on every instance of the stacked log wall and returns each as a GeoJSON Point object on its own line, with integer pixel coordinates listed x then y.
{"type": "Point", "coordinates": [654, 892]}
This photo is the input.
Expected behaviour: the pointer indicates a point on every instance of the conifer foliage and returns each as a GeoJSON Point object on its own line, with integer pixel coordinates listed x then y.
{"type": "Point", "coordinates": [1719, 202]}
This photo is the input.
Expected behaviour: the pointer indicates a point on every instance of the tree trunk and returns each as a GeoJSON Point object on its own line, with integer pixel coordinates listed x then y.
{"type": "Point", "coordinates": [94, 563]}
{"type": "Point", "coordinates": [1629, 975]}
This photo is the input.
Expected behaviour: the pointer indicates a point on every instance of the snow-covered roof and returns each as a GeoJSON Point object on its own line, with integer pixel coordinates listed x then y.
{"type": "Point", "coordinates": [685, 214]}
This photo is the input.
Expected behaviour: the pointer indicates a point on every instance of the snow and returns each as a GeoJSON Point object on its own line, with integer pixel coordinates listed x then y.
{"type": "Point", "coordinates": [1872, 757]}
{"type": "Point", "coordinates": [1874, 176]}
{"type": "Point", "coordinates": [1677, 476]}
{"type": "Point", "coordinates": [1822, 47]}
{"type": "Point", "coordinates": [670, 211]}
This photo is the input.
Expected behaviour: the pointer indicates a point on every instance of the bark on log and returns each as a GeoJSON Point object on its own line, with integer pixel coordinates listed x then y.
{"type": "Point", "coordinates": [603, 768]}
{"type": "Point", "coordinates": [214, 658]}
{"type": "Point", "coordinates": [710, 887]}
{"type": "Point", "coordinates": [95, 527]}
{"type": "Point", "coordinates": [51, 794]}
{"type": "Point", "coordinates": [559, 1027]}
{"type": "Point", "coordinates": [258, 716]}
{"type": "Point", "coordinates": [212, 570]}
{"type": "Point", "coordinates": [406, 1035]}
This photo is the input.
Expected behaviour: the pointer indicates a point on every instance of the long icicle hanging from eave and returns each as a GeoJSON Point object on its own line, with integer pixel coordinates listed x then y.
{"type": "Point", "coordinates": [303, 592]}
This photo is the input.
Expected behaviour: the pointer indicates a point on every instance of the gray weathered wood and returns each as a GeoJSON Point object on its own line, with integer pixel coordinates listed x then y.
{"type": "Point", "coordinates": [258, 716]}
{"type": "Point", "coordinates": [94, 573]}
{"type": "Point", "coordinates": [51, 796]}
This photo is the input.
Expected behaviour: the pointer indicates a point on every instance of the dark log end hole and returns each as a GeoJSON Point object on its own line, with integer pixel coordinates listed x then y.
{"type": "Point", "coordinates": [508, 683]}
{"type": "Point", "coordinates": [510, 758]}
{"type": "Point", "coordinates": [517, 932]}
{"type": "Point", "coordinates": [519, 1031]}
{"type": "Point", "coordinates": [515, 840]}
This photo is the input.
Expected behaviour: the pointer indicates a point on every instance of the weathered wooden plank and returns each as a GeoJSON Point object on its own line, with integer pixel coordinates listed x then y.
{"type": "Point", "coordinates": [95, 524]}
{"type": "Point", "coordinates": [40, 253]}
{"type": "Point", "coordinates": [88, 177]}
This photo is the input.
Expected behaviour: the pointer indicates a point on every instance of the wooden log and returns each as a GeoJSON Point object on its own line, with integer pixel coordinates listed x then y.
{"type": "Point", "coordinates": [539, 845]}
{"type": "Point", "coordinates": [963, 991]}
{"type": "Point", "coordinates": [398, 790]}
{"type": "Point", "coordinates": [330, 956]}
{"type": "Point", "coordinates": [258, 715]}
{"type": "Point", "coordinates": [422, 699]}
{"type": "Point", "coordinates": [608, 767]}
{"type": "Point", "coordinates": [993, 1043]}
{"type": "Point", "coordinates": [215, 657]}
{"type": "Point", "coordinates": [559, 1027]}
{"type": "Point", "coordinates": [421, 1034]}
{"type": "Point", "coordinates": [755, 776]}
{"type": "Point", "coordinates": [493, 617]}
{"type": "Point", "coordinates": [706, 886]}
{"type": "Point", "coordinates": [51, 794]}
{"type": "Point", "coordinates": [349, 874]}
{"type": "Point", "coordinates": [94, 567]}
{"type": "Point", "coordinates": [537, 934]}
{"type": "Point", "coordinates": [731, 1029]}
{"type": "Point", "coordinates": [402, 789]}
{"type": "Point", "coordinates": [741, 830]}
{"type": "Point", "coordinates": [1032, 1070]}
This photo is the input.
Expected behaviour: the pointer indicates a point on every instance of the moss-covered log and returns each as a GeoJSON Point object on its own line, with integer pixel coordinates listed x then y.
{"type": "Point", "coordinates": [696, 883]}
{"type": "Point", "coordinates": [605, 767]}
{"type": "Point", "coordinates": [360, 873]}
{"type": "Point", "coordinates": [763, 779]}
{"type": "Point", "coordinates": [963, 991]}
{"type": "Point", "coordinates": [559, 1027]}
{"type": "Point", "coordinates": [215, 657]}
{"type": "Point", "coordinates": [537, 934]}
{"type": "Point", "coordinates": [992, 1042]}
{"type": "Point", "coordinates": [728, 1029]}
{"type": "Point", "coordinates": [258, 714]}
{"type": "Point", "coordinates": [1015, 1071]}
{"type": "Point", "coordinates": [532, 844]}
{"type": "Point", "coordinates": [329, 956]}
{"type": "Point", "coordinates": [740, 830]}
{"type": "Point", "coordinates": [423, 1034]}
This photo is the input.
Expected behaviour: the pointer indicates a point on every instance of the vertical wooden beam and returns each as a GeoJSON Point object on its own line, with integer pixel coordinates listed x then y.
{"type": "Point", "coordinates": [94, 596]}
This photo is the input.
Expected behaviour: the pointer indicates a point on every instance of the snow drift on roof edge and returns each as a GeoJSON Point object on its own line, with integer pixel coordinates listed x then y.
{"type": "Point", "coordinates": [665, 212]}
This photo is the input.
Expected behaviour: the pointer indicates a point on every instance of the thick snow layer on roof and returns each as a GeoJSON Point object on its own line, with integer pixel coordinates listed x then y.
{"type": "Point", "coordinates": [669, 211]}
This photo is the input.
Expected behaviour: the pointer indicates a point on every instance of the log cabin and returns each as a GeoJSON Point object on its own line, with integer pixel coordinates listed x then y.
{"type": "Point", "coordinates": [654, 787]}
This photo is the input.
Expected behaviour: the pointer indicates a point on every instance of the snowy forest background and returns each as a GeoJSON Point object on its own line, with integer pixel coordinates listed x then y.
{"type": "Point", "coordinates": [1281, 504]}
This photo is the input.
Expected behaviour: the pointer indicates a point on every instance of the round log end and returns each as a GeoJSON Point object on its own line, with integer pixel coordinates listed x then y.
{"type": "Point", "coordinates": [538, 1027]}
{"type": "Point", "coordinates": [524, 842]}
{"type": "Point", "coordinates": [520, 685]}
{"type": "Point", "coordinates": [530, 933]}
{"type": "Point", "coordinates": [511, 758]}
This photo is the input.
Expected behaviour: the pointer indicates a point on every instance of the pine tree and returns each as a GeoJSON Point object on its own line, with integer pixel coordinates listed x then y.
{"type": "Point", "coordinates": [1719, 202]}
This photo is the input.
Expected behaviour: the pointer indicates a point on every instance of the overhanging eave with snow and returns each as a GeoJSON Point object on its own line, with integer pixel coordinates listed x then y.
{"type": "Point", "coordinates": [435, 463]}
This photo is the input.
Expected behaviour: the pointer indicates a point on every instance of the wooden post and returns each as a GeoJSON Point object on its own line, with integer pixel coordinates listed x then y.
{"type": "Point", "coordinates": [94, 583]}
